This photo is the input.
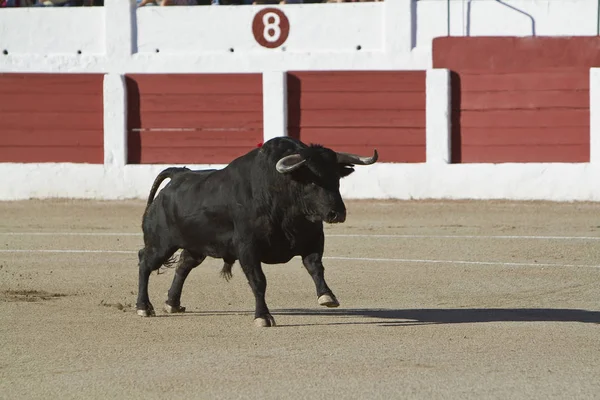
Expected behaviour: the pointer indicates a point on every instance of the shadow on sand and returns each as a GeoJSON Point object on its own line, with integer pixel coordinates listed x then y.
{"type": "Point", "coordinates": [405, 317]}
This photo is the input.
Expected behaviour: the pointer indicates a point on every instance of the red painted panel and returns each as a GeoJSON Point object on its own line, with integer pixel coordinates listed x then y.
{"type": "Point", "coordinates": [515, 53]}
{"type": "Point", "coordinates": [194, 147]}
{"type": "Point", "coordinates": [551, 136]}
{"type": "Point", "coordinates": [185, 119]}
{"type": "Point", "coordinates": [169, 155]}
{"type": "Point", "coordinates": [198, 139]}
{"type": "Point", "coordinates": [356, 81]}
{"type": "Point", "coordinates": [51, 83]}
{"type": "Point", "coordinates": [51, 118]}
{"type": "Point", "coordinates": [525, 118]}
{"type": "Point", "coordinates": [357, 111]}
{"type": "Point", "coordinates": [533, 153]}
{"type": "Point", "coordinates": [483, 81]}
{"type": "Point", "coordinates": [363, 140]}
{"type": "Point", "coordinates": [530, 95]}
{"type": "Point", "coordinates": [369, 137]}
{"type": "Point", "coordinates": [201, 120]}
{"type": "Point", "coordinates": [360, 101]}
{"type": "Point", "coordinates": [200, 103]}
{"type": "Point", "coordinates": [52, 121]}
{"type": "Point", "coordinates": [198, 83]}
{"type": "Point", "coordinates": [51, 138]}
{"type": "Point", "coordinates": [513, 100]}
{"type": "Point", "coordinates": [354, 119]}
{"type": "Point", "coordinates": [47, 103]}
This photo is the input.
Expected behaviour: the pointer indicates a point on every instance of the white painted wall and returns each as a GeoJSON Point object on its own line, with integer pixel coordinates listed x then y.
{"type": "Point", "coordinates": [314, 28]}
{"type": "Point", "coordinates": [394, 34]}
{"type": "Point", "coordinates": [548, 181]}
{"type": "Point", "coordinates": [506, 18]}
{"type": "Point", "coordinates": [29, 31]}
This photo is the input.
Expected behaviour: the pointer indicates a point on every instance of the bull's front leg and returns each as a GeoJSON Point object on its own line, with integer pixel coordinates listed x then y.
{"type": "Point", "coordinates": [258, 283]}
{"type": "Point", "coordinates": [314, 265]}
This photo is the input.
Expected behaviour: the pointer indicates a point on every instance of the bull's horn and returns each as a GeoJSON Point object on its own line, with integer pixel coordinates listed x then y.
{"type": "Point", "coordinates": [289, 163]}
{"type": "Point", "coordinates": [347, 158]}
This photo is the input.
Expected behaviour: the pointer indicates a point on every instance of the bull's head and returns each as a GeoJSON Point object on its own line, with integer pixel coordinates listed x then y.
{"type": "Point", "coordinates": [316, 172]}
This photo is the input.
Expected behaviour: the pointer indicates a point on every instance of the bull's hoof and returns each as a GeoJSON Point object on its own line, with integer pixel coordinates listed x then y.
{"type": "Point", "coordinates": [146, 313]}
{"type": "Point", "coordinates": [173, 309]}
{"type": "Point", "coordinates": [264, 322]}
{"type": "Point", "coordinates": [328, 300]}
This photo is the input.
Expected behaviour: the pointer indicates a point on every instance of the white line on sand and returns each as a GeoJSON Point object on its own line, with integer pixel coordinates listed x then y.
{"type": "Point", "coordinates": [398, 260]}
{"type": "Point", "coordinates": [514, 264]}
{"type": "Point", "coordinates": [67, 251]}
{"type": "Point", "coordinates": [391, 236]}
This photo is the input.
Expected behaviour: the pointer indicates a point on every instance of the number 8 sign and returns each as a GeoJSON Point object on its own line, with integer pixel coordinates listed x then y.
{"type": "Point", "coordinates": [270, 27]}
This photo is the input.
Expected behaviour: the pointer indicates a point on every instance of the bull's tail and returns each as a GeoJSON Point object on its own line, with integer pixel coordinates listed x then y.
{"type": "Point", "coordinates": [167, 173]}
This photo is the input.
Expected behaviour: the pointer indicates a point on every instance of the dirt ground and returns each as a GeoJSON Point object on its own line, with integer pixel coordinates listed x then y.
{"type": "Point", "coordinates": [439, 300]}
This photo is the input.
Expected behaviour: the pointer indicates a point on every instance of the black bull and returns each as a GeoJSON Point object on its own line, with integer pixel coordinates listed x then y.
{"type": "Point", "coordinates": [266, 206]}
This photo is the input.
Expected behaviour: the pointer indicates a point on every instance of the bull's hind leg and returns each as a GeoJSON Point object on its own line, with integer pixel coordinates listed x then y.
{"type": "Point", "coordinates": [187, 262]}
{"type": "Point", "coordinates": [150, 259]}
{"type": "Point", "coordinates": [314, 266]}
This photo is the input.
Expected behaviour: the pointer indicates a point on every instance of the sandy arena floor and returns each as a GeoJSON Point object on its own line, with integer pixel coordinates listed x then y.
{"type": "Point", "coordinates": [439, 300]}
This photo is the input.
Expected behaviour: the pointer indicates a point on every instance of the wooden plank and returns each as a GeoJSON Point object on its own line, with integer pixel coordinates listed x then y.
{"type": "Point", "coordinates": [190, 147]}
{"type": "Point", "coordinates": [195, 83]}
{"type": "Point", "coordinates": [32, 103]}
{"type": "Point", "coordinates": [171, 102]}
{"type": "Point", "coordinates": [525, 118]}
{"type": "Point", "coordinates": [525, 136]}
{"type": "Point", "coordinates": [485, 81]}
{"type": "Point", "coordinates": [200, 139]}
{"type": "Point", "coordinates": [52, 121]}
{"type": "Point", "coordinates": [398, 154]}
{"type": "Point", "coordinates": [42, 154]}
{"type": "Point", "coordinates": [201, 120]}
{"type": "Point", "coordinates": [214, 155]}
{"type": "Point", "coordinates": [51, 83]}
{"type": "Point", "coordinates": [366, 137]}
{"type": "Point", "coordinates": [358, 100]}
{"type": "Point", "coordinates": [352, 119]}
{"type": "Point", "coordinates": [518, 100]}
{"type": "Point", "coordinates": [45, 137]}
{"type": "Point", "coordinates": [515, 53]}
{"type": "Point", "coordinates": [356, 81]}
{"type": "Point", "coordinates": [523, 154]}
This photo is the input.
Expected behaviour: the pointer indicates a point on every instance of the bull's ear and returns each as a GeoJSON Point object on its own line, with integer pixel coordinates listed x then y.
{"type": "Point", "coordinates": [345, 170]}
{"type": "Point", "coordinates": [289, 163]}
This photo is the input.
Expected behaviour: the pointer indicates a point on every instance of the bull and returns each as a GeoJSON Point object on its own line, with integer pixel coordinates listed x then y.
{"type": "Point", "coordinates": [266, 206]}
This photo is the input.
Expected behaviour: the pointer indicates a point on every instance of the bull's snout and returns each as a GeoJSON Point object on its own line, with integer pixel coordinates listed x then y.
{"type": "Point", "coordinates": [336, 216]}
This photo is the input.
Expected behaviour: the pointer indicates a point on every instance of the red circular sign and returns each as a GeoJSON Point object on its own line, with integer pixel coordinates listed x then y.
{"type": "Point", "coordinates": [270, 27]}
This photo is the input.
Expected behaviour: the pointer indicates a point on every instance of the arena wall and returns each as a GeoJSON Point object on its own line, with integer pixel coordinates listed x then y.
{"type": "Point", "coordinates": [519, 99]}
{"type": "Point", "coordinates": [468, 117]}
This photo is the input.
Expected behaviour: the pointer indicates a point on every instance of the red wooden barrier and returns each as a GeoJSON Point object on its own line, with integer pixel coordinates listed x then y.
{"type": "Point", "coordinates": [358, 111]}
{"type": "Point", "coordinates": [51, 118]}
{"type": "Point", "coordinates": [187, 119]}
{"type": "Point", "coordinates": [519, 99]}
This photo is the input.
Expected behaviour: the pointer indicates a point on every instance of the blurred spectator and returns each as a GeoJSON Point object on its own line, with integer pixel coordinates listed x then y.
{"type": "Point", "coordinates": [16, 3]}
{"type": "Point", "coordinates": [168, 2]}
{"type": "Point", "coordinates": [141, 3]}
{"type": "Point", "coordinates": [56, 3]}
